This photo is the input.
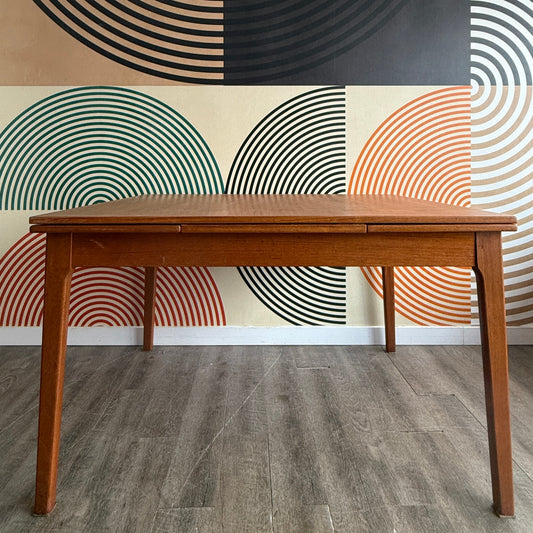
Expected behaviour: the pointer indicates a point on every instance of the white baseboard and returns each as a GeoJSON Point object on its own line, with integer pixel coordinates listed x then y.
{"type": "Point", "coordinates": [286, 335]}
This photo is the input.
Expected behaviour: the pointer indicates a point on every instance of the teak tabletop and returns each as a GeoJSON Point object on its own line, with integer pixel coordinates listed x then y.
{"type": "Point", "coordinates": [272, 209]}
{"type": "Point", "coordinates": [274, 230]}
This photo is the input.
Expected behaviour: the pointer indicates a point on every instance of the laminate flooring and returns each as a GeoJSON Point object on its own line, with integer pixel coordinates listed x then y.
{"type": "Point", "coordinates": [265, 439]}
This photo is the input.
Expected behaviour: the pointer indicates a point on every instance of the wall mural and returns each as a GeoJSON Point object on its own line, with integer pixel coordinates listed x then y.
{"type": "Point", "coordinates": [502, 138]}
{"type": "Point", "coordinates": [103, 296]}
{"type": "Point", "coordinates": [290, 41]}
{"type": "Point", "coordinates": [114, 99]}
{"type": "Point", "coordinates": [93, 144]}
{"type": "Point", "coordinates": [423, 151]}
{"type": "Point", "coordinates": [298, 148]}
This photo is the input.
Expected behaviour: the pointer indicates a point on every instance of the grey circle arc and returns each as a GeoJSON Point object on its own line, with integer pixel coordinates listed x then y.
{"type": "Point", "coordinates": [502, 49]}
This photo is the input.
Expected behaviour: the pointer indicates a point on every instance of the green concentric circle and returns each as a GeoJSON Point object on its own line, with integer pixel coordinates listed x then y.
{"type": "Point", "coordinates": [91, 144]}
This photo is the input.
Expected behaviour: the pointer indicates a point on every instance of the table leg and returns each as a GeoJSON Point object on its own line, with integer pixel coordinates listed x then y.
{"type": "Point", "coordinates": [388, 304]}
{"type": "Point", "coordinates": [150, 280]}
{"type": "Point", "coordinates": [491, 301]}
{"type": "Point", "coordinates": [54, 345]}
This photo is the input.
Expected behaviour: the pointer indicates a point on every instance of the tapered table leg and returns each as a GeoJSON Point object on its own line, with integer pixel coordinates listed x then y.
{"type": "Point", "coordinates": [388, 305]}
{"type": "Point", "coordinates": [150, 280]}
{"type": "Point", "coordinates": [54, 344]}
{"type": "Point", "coordinates": [491, 301]}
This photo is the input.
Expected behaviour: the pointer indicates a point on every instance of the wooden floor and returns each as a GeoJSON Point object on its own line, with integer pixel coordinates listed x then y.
{"type": "Point", "coordinates": [265, 439]}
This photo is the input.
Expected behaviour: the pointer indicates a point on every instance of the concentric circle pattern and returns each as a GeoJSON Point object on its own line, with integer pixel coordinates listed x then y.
{"type": "Point", "coordinates": [423, 151]}
{"type": "Point", "coordinates": [435, 296]}
{"type": "Point", "coordinates": [181, 41]}
{"type": "Point", "coordinates": [105, 296]}
{"type": "Point", "coordinates": [502, 139]}
{"type": "Point", "coordinates": [22, 282]}
{"type": "Point", "coordinates": [297, 148]}
{"type": "Point", "coordinates": [188, 296]}
{"type": "Point", "coordinates": [92, 144]}
{"type": "Point", "coordinates": [420, 151]}
{"type": "Point", "coordinates": [267, 40]}
{"type": "Point", "coordinates": [300, 295]}
{"type": "Point", "coordinates": [212, 41]}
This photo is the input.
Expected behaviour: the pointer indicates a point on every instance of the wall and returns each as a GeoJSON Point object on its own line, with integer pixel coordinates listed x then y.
{"type": "Point", "coordinates": [104, 100]}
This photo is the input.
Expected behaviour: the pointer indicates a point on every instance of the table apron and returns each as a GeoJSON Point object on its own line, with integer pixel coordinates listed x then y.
{"type": "Point", "coordinates": [387, 249]}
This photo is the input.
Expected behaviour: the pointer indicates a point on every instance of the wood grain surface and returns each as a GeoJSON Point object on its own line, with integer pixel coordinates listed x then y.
{"type": "Point", "coordinates": [274, 249]}
{"type": "Point", "coordinates": [271, 208]}
{"type": "Point", "coordinates": [151, 440]}
{"type": "Point", "coordinates": [274, 230]}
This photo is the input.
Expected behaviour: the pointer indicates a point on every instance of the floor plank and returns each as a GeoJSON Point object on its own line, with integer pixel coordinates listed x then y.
{"type": "Point", "coordinates": [184, 520]}
{"type": "Point", "coordinates": [192, 476]}
{"type": "Point", "coordinates": [244, 493]}
{"type": "Point", "coordinates": [458, 371]}
{"type": "Point", "coordinates": [299, 501]}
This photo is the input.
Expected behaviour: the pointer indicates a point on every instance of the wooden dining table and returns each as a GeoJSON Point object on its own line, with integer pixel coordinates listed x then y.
{"type": "Point", "coordinates": [151, 231]}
